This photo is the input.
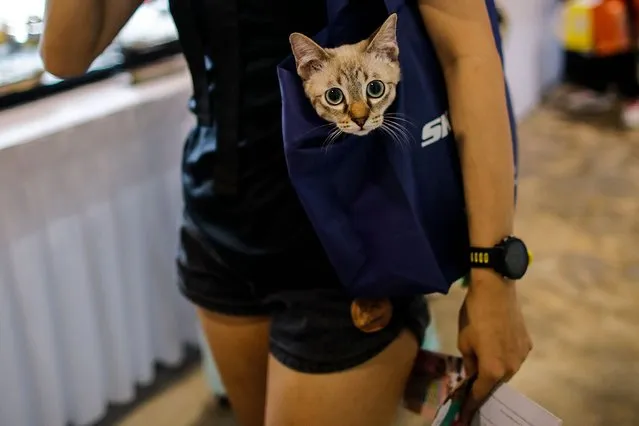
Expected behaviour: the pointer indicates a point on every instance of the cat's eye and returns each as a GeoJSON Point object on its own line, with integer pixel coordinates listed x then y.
{"type": "Point", "coordinates": [375, 89]}
{"type": "Point", "coordinates": [334, 96]}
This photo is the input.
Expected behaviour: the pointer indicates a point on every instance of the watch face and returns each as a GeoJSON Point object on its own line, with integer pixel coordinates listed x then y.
{"type": "Point", "coordinates": [516, 259]}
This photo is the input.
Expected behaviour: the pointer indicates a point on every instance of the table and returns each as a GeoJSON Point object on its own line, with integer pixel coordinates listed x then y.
{"type": "Point", "coordinates": [90, 204]}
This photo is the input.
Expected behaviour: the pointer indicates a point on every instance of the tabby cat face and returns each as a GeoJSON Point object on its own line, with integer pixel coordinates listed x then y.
{"type": "Point", "coordinates": [351, 85]}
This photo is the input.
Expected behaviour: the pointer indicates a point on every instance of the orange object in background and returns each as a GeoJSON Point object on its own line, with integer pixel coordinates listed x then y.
{"type": "Point", "coordinates": [612, 31]}
{"type": "Point", "coordinates": [597, 27]}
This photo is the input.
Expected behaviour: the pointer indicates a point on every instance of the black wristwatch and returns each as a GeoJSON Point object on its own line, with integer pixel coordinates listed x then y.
{"type": "Point", "coordinates": [509, 258]}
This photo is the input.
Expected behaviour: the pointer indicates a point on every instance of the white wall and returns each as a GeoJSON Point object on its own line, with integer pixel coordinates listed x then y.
{"type": "Point", "coordinates": [532, 55]}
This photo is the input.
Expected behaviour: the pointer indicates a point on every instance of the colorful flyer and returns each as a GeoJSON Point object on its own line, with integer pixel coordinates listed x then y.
{"type": "Point", "coordinates": [438, 389]}
{"type": "Point", "coordinates": [434, 378]}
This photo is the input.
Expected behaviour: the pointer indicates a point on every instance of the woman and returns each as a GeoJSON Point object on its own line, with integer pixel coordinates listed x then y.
{"type": "Point", "coordinates": [277, 320]}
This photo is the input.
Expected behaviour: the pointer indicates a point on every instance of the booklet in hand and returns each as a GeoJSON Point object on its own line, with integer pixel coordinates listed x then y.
{"type": "Point", "coordinates": [438, 389]}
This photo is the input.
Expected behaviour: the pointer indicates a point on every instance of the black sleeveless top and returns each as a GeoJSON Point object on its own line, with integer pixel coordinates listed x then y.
{"type": "Point", "coordinates": [235, 181]}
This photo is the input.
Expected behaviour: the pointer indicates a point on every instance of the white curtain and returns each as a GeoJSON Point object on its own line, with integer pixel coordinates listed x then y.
{"type": "Point", "coordinates": [88, 233]}
{"type": "Point", "coordinates": [531, 53]}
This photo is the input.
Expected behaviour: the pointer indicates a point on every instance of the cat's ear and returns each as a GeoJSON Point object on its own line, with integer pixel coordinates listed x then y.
{"type": "Point", "coordinates": [384, 41]}
{"type": "Point", "coordinates": [309, 56]}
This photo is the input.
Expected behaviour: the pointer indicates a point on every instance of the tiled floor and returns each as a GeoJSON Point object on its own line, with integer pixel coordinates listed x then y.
{"type": "Point", "coordinates": [579, 212]}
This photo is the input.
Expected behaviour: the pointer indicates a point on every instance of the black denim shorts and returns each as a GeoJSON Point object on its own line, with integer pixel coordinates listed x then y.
{"type": "Point", "coordinates": [312, 328]}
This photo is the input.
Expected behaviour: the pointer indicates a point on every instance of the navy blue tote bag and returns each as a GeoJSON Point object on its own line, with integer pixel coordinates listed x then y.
{"type": "Point", "coordinates": [390, 216]}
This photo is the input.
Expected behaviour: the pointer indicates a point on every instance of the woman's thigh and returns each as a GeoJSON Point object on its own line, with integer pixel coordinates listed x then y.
{"type": "Point", "coordinates": [367, 395]}
{"type": "Point", "coordinates": [240, 348]}
{"type": "Point", "coordinates": [235, 323]}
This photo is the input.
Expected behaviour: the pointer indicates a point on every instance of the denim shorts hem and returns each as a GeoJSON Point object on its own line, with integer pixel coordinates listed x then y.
{"type": "Point", "coordinates": [302, 364]}
{"type": "Point", "coordinates": [215, 306]}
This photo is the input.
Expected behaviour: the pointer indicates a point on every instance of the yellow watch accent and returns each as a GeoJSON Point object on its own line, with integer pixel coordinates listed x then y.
{"type": "Point", "coordinates": [476, 257]}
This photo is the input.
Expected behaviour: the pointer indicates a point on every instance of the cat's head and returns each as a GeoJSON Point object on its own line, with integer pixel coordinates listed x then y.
{"type": "Point", "coordinates": [351, 85]}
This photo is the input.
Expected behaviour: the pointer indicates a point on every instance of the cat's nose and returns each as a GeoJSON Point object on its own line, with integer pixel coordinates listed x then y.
{"type": "Point", "coordinates": [360, 121]}
{"type": "Point", "coordinates": [359, 113]}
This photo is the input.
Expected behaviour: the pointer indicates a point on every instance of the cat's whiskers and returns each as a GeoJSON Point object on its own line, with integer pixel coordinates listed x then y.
{"type": "Point", "coordinates": [398, 117]}
{"type": "Point", "coordinates": [332, 137]}
{"type": "Point", "coordinates": [390, 132]}
{"type": "Point", "coordinates": [376, 121]}
{"type": "Point", "coordinates": [395, 114]}
{"type": "Point", "coordinates": [400, 122]}
{"type": "Point", "coordinates": [402, 136]}
{"type": "Point", "coordinates": [318, 128]}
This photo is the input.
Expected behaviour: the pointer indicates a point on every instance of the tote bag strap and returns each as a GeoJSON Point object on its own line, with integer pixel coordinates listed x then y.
{"type": "Point", "coordinates": [225, 172]}
{"type": "Point", "coordinates": [194, 53]}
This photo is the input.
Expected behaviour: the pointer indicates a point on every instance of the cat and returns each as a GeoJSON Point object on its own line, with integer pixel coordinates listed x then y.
{"type": "Point", "coordinates": [352, 86]}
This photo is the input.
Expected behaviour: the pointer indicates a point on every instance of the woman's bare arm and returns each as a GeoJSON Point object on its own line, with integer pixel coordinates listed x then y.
{"type": "Point", "coordinates": [492, 333]}
{"type": "Point", "coordinates": [464, 42]}
{"type": "Point", "coordinates": [77, 31]}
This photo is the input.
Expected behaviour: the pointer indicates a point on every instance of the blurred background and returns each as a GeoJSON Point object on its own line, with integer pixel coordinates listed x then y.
{"type": "Point", "coordinates": [92, 329]}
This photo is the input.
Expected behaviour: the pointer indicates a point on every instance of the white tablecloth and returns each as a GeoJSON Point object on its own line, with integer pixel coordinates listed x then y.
{"type": "Point", "coordinates": [89, 210]}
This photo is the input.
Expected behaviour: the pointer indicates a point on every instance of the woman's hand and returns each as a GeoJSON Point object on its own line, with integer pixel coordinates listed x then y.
{"type": "Point", "coordinates": [492, 338]}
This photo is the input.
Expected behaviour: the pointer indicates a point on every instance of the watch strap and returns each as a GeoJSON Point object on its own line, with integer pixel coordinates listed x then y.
{"type": "Point", "coordinates": [483, 257]}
